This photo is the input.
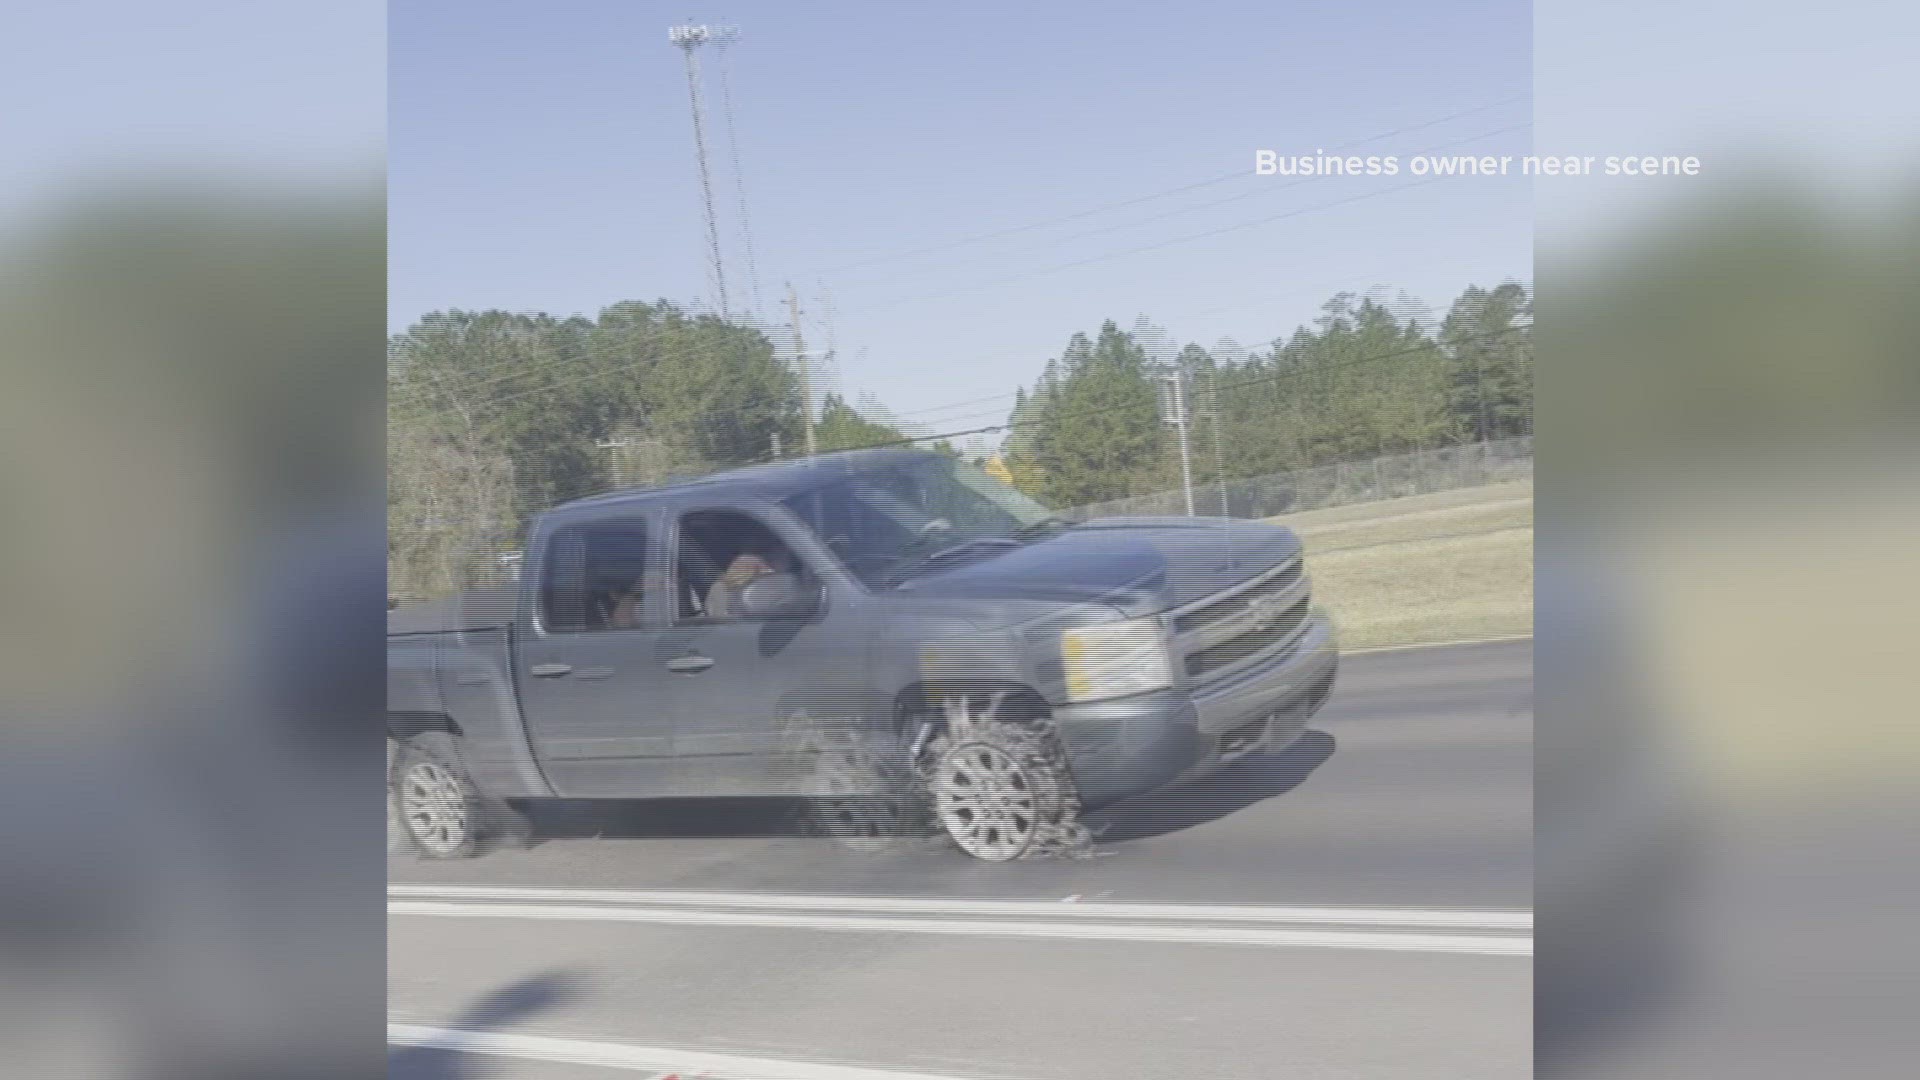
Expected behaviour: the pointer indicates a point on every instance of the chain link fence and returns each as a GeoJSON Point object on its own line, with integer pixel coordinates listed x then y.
{"type": "Point", "coordinates": [488, 561]}
{"type": "Point", "coordinates": [1391, 477]}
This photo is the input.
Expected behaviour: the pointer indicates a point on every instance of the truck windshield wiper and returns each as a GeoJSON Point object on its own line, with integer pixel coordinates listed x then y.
{"type": "Point", "coordinates": [925, 561]}
{"type": "Point", "coordinates": [1042, 527]}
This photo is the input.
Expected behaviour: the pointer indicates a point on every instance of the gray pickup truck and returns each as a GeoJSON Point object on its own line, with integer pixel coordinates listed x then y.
{"type": "Point", "coordinates": [893, 636]}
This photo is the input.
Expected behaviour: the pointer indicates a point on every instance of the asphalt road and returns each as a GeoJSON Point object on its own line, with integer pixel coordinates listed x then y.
{"type": "Point", "coordinates": [1374, 871]}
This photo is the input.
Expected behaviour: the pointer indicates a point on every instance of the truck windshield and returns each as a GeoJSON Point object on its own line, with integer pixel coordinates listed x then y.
{"type": "Point", "coordinates": [887, 518]}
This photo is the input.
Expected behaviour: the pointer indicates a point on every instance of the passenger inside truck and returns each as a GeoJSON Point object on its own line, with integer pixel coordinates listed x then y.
{"type": "Point", "coordinates": [595, 578]}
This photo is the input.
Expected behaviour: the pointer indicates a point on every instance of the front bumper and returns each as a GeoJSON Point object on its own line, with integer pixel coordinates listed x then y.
{"type": "Point", "coordinates": [1130, 746]}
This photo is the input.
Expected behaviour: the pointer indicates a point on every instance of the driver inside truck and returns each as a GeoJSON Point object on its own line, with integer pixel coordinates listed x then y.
{"type": "Point", "coordinates": [769, 558]}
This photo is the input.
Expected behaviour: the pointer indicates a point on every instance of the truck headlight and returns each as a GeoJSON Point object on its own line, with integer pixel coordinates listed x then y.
{"type": "Point", "coordinates": [1110, 660]}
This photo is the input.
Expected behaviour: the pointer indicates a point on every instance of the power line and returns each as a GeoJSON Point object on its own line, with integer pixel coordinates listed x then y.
{"type": "Point", "coordinates": [1076, 264]}
{"type": "Point", "coordinates": [1345, 285]}
{"type": "Point", "coordinates": [1137, 200]}
{"type": "Point", "coordinates": [724, 37]}
{"type": "Point", "coordinates": [461, 395]}
{"type": "Point", "coordinates": [1271, 188]}
{"type": "Point", "coordinates": [1269, 299]}
{"type": "Point", "coordinates": [1017, 229]}
{"type": "Point", "coordinates": [1315, 370]}
{"type": "Point", "coordinates": [1223, 230]}
{"type": "Point", "coordinates": [690, 37]}
{"type": "Point", "coordinates": [535, 369]}
{"type": "Point", "coordinates": [957, 404]}
{"type": "Point", "coordinates": [494, 372]}
{"type": "Point", "coordinates": [680, 352]}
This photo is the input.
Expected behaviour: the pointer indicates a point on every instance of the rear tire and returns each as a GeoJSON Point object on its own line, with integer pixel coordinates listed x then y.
{"type": "Point", "coordinates": [437, 810]}
{"type": "Point", "coordinates": [857, 787]}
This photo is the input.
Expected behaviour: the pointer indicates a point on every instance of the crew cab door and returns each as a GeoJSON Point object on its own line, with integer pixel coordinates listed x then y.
{"type": "Point", "coordinates": [592, 692]}
{"type": "Point", "coordinates": [738, 685]}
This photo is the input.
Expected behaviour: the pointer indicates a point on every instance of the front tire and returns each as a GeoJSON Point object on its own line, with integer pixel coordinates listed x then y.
{"type": "Point", "coordinates": [999, 784]}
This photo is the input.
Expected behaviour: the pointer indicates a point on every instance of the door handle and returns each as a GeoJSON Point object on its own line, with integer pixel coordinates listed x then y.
{"type": "Point", "coordinates": [690, 665]}
{"type": "Point", "coordinates": [551, 671]}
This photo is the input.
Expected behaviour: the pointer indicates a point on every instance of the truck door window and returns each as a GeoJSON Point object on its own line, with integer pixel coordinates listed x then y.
{"type": "Point", "coordinates": [595, 578]}
{"type": "Point", "coordinates": [719, 552]}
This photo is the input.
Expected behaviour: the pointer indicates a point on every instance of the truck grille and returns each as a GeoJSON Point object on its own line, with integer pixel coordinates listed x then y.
{"type": "Point", "coordinates": [1238, 648]}
{"type": "Point", "coordinates": [1225, 631]}
{"type": "Point", "coordinates": [1217, 610]}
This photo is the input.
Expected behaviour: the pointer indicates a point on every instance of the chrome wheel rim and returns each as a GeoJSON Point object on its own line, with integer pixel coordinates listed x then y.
{"type": "Point", "coordinates": [986, 802]}
{"type": "Point", "coordinates": [434, 807]}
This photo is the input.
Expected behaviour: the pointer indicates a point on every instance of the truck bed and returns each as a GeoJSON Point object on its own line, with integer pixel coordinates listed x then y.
{"type": "Point", "coordinates": [480, 609]}
{"type": "Point", "coordinates": [452, 660]}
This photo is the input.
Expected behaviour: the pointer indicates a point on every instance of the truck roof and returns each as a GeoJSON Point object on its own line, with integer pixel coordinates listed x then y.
{"type": "Point", "coordinates": [773, 481]}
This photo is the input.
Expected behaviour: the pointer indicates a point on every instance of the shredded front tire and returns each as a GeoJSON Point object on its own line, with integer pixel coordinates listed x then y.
{"type": "Point", "coordinates": [998, 782]}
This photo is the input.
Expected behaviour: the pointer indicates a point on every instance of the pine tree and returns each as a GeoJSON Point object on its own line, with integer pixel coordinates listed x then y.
{"type": "Point", "coordinates": [1101, 437]}
{"type": "Point", "coordinates": [1489, 343]}
{"type": "Point", "coordinates": [841, 427]}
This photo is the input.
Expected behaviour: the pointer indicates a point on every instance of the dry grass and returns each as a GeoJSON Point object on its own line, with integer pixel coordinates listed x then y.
{"type": "Point", "coordinates": [1444, 567]}
{"type": "Point", "coordinates": [1464, 499]}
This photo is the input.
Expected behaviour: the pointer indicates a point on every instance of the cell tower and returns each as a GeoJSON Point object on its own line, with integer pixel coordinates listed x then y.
{"type": "Point", "coordinates": [723, 37]}
{"type": "Point", "coordinates": [688, 39]}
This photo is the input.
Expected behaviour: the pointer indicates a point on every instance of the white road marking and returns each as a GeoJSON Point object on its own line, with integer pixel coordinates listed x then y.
{"type": "Point", "coordinates": [1409, 918]}
{"type": "Point", "coordinates": [658, 1060]}
{"type": "Point", "coordinates": [1059, 930]}
{"type": "Point", "coordinates": [1510, 638]}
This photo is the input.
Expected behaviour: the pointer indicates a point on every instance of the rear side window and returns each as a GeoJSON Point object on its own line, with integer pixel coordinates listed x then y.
{"type": "Point", "coordinates": [595, 578]}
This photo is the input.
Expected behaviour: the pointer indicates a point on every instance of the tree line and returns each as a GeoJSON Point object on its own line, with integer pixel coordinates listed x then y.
{"type": "Point", "coordinates": [1361, 382]}
{"type": "Point", "coordinates": [495, 416]}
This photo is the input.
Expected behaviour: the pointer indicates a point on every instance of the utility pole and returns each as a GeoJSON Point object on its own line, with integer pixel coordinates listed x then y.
{"type": "Point", "coordinates": [1173, 395]}
{"type": "Point", "coordinates": [1219, 445]}
{"type": "Point", "coordinates": [1174, 405]}
{"type": "Point", "coordinates": [830, 360]}
{"type": "Point", "coordinates": [687, 39]}
{"type": "Point", "coordinates": [800, 359]}
{"type": "Point", "coordinates": [1480, 397]}
{"type": "Point", "coordinates": [616, 459]}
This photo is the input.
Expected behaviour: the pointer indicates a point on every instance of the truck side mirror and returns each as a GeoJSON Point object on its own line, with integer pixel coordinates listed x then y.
{"type": "Point", "coordinates": [773, 596]}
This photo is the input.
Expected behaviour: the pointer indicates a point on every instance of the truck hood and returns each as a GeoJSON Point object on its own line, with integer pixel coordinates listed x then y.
{"type": "Point", "coordinates": [1139, 565]}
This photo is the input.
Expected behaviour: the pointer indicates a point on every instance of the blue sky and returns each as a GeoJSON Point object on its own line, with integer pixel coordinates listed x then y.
{"type": "Point", "coordinates": [228, 88]}
{"type": "Point", "coordinates": [541, 159]}
{"type": "Point", "coordinates": [1828, 96]}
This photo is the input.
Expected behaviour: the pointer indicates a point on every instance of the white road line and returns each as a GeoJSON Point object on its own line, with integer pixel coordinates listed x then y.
{"type": "Point", "coordinates": [1048, 909]}
{"type": "Point", "coordinates": [1064, 929]}
{"type": "Point", "coordinates": [657, 1060]}
{"type": "Point", "coordinates": [1510, 638]}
